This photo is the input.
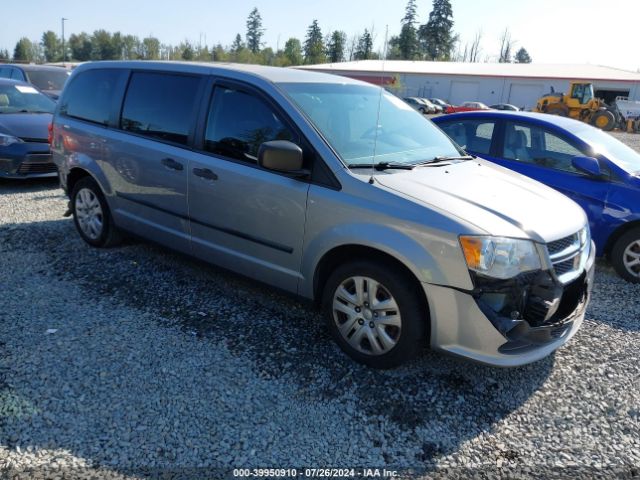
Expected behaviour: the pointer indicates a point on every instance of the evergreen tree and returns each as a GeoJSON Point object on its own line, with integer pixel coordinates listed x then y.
{"type": "Point", "coordinates": [219, 54]}
{"type": "Point", "coordinates": [4, 55]}
{"type": "Point", "coordinates": [23, 51]}
{"type": "Point", "coordinates": [364, 50]}
{"type": "Point", "coordinates": [254, 31]}
{"type": "Point", "coordinates": [187, 51]}
{"type": "Point", "coordinates": [293, 51]}
{"type": "Point", "coordinates": [314, 51]}
{"type": "Point", "coordinates": [237, 45]}
{"type": "Point", "coordinates": [52, 46]}
{"type": "Point", "coordinates": [436, 36]}
{"type": "Point", "coordinates": [336, 46]}
{"type": "Point", "coordinates": [522, 56]}
{"type": "Point", "coordinates": [407, 42]}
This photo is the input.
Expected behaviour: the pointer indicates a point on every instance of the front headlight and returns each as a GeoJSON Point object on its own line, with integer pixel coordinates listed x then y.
{"type": "Point", "coordinates": [499, 257]}
{"type": "Point", "coordinates": [6, 140]}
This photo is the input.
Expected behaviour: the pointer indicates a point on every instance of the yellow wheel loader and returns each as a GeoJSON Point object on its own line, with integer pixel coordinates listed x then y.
{"type": "Point", "coordinates": [580, 104]}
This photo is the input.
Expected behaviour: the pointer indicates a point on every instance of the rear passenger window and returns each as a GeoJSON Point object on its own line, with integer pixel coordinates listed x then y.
{"type": "Point", "coordinates": [89, 96]}
{"type": "Point", "coordinates": [5, 72]}
{"type": "Point", "coordinates": [474, 135]}
{"type": "Point", "coordinates": [160, 105]}
{"type": "Point", "coordinates": [239, 123]}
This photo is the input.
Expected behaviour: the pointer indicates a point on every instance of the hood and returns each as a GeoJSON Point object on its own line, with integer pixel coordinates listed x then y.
{"type": "Point", "coordinates": [52, 94]}
{"type": "Point", "coordinates": [496, 200]}
{"type": "Point", "coordinates": [26, 125]}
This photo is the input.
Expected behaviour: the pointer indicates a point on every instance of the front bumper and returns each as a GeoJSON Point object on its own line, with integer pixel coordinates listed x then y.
{"type": "Point", "coordinates": [27, 160]}
{"type": "Point", "coordinates": [464, 325]}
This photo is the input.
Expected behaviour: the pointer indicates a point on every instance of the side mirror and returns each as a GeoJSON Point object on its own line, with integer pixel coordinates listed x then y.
{"type": "Point", "coordinates": [281, 156]}
{"type": "Point", "coordinates": [588, 165]}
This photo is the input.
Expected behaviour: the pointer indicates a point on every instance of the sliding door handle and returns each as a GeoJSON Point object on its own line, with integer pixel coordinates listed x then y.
{"type": "Point", "coordinates": [172, 164]}
{"type": "Point", "coordinates": [205, 173]}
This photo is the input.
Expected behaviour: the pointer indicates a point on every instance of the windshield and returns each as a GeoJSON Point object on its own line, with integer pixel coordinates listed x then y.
{"type": "Point", "coordinates": [48, 79]}
{"type": "Point", "coordinates": [23, 98]}
{"type": "Point", "coordinates": [616, 151]}
{"type": "Point", "coordinates": [346, 116]}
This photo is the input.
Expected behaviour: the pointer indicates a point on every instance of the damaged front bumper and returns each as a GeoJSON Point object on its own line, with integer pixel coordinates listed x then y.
{"type": "Point", "coordinates": [509, 322]}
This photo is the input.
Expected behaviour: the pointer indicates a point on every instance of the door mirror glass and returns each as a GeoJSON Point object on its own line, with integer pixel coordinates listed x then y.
{"type": "Point", "coordinates": [588, 165]}
{"type": "Point", "coordinates": [280, 155]}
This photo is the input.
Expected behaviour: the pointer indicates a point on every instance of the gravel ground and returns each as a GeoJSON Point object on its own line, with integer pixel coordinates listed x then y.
{"type": "Point", "coordinates": [136, 360]}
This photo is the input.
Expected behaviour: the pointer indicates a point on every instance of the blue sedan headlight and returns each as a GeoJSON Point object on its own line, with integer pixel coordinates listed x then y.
{"type": "Point", "coordinates": [6, 140]}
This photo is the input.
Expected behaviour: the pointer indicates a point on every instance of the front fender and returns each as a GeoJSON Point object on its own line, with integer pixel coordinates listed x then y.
{"type": "Point", "coordinates": [440, 262]}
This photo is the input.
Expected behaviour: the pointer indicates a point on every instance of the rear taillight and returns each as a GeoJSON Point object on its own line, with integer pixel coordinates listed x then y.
{"type": "Point", "coordinates": [50, 137]}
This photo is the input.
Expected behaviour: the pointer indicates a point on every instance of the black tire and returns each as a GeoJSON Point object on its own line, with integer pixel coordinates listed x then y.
{"type": "Point", "coordinates": [602, 116]}
{"type": "Point", "coordinates": [409, 337]}
{"type": "Point", "coordinates": [423, 111]}
{"type": "Point", "coordinates": [618, 255]}
{"type": "Point", "coordinates": [109, 235]}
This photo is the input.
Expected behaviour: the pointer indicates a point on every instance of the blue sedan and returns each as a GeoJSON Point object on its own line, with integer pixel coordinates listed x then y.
{"type": "Point", "coordinates": [593, 168]}
{"type": "Point", "coordinates": [25, 115]}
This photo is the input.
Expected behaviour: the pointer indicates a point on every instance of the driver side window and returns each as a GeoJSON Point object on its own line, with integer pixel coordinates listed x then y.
{"type": "Point", "coordinates": [535, 145]}
{"type": "Point", "coordinates": [239, 123]}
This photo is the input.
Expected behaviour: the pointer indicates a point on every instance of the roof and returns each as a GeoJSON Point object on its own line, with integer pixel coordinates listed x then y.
{"type": "Point", "coordinates": [525, 70]}
{"type": "Point", "coordinates": [272, 74]}
{"type": "Point", "coordinates": [32, 66]}
{"type": "Point", "coordinates": [562, 122]}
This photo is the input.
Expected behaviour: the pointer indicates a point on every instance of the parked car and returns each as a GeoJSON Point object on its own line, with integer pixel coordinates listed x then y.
{"type": "Point", "coordinates": [433, 108]}
{"type": "Point", "coordinates": [466, 107]}
{"type": "Point", "coordinates": [439, 102]}
{"type": "Point", "coordinates": [590, 166]}
{"type": "Point", "coordinates": [418, 105]}
{"type": "Point", "coordinates": [49, 80]}
{"type": "Point", "coordinates": [505, 106]}
{"type": "Point", "coordinates": [331, 189]}
{"type": "Point", "coordinates": [25, 114]}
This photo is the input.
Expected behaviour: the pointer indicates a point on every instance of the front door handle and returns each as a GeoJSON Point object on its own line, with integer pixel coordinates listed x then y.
{"type": "Point", "coordinates": [172, 164]}
{"type": "Point", "coordinates": [205, 173]}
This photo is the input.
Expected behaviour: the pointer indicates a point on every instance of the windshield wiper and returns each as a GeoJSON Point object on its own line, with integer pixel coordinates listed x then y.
{"type": "Point", "coordinates": [382, 166]}
{"type": "Point", "coordinates": [445, 159]}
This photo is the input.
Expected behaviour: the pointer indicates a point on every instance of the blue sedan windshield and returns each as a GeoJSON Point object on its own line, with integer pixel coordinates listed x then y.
{"type": "Point", "coordinates": [347, 116]}
{"type": "Point", "coordinates": [616, 151]}
{"type": "Point", "coordinates": [18, 98]}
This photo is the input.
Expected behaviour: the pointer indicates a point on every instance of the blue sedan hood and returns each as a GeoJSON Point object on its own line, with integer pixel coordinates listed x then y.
{"type": "Point", "coordinates": [26, 125]}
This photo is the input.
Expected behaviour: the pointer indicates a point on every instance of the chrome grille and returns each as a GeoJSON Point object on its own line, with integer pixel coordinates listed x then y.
{"type": "Point", "coordinates": [565, 255]}
{"type": "Point", "coordinates": [563, 267]}
{"type": "Point", "coordinates": [564, 243]}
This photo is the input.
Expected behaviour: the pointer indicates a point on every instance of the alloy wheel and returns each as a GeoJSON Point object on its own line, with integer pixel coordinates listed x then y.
{"type": "Point", "coordinates": [631, 258]}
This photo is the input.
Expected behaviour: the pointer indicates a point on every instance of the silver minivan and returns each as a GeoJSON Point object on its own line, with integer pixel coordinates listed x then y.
{"type": "Point", "coordinates": [334, 190]}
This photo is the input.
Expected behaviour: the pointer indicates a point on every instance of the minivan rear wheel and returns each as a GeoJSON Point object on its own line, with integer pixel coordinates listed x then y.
{"type": "Point", "coordinates": [91, 215]}
{"type": "Point", "coordinates": [625, 256]}
{"type": "Point", "coordinates": [375, 313]}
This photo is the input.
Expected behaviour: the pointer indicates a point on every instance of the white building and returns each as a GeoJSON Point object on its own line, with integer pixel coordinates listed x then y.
{"type": "Point", "coordinates": [490, 83]}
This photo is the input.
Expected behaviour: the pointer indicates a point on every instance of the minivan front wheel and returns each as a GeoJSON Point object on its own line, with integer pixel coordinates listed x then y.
{"type": "Point", "coordinates": [374, 313]}
{"type": "Point", "coordinates": [625, 256]}
{"type": "Point", "coordinates": [91, 214]}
